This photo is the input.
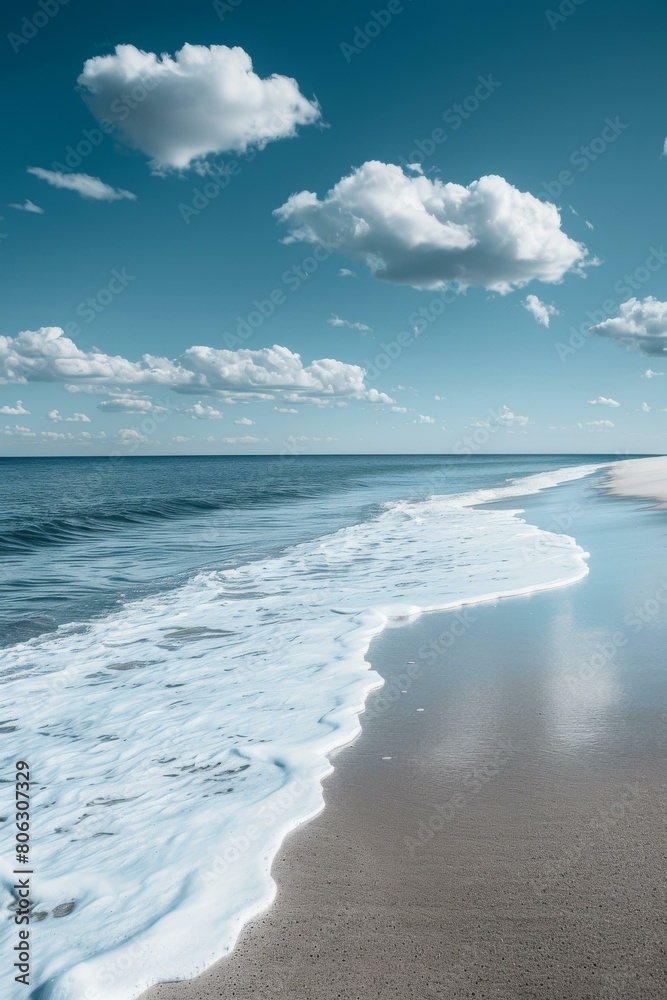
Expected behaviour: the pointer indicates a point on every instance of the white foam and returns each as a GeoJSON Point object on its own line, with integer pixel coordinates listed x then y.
{"type": "Point", "coordinates": [158, 808]}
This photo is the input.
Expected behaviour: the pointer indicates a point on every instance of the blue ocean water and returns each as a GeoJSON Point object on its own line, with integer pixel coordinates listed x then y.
{"type": "Point", "coordinates": [80, 535]}
{"type": "Point", "coordinates": [189, 636]}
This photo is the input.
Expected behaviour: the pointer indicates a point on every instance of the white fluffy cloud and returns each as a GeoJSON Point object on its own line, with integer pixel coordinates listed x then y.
{"type": "Point", "coordinates": [18, 430]}
{"type": "Point", "coordinates": [201, 412]}
{"type": "Point", "coordinates": [129, 404]}
{"type": "Point", "coordinates": [201, 101]}
{"type": "Point", "coordinates": [508, 419]}
{"type": "Point", "coordinates": [15, 411]}
{"type": "Point", "coordinates": [76, 418]}
{"type": "Point", "coordinates": [84, 184]}
{"type": "Point", "coordinates": [640, 325]}
{"type": "Point", "coordinates": [597, 425]}
{"type": "Point", "coordinates": [541, 311]}
{"type": "Point", "coordinates": [244, 422]}
{"type": "Point", "coordinates": [398, 409]}
{"type": "Point", "coordinates": [47, 355]}
{"type": "Point", "coordinates": [422, 419]}
{"type": "Point", "coordinates": [27, 206]}
{"type": "Point", "coordinates": [285, 409]}
{"type": "Point", "coordinates": [649, 373]}
{"type": "Point", "coordinates": [420, 232]}
{"type": "Point", "coordinates": [603, 401]}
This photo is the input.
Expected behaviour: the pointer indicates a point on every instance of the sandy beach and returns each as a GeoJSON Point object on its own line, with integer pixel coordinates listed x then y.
{"type": "Point", "coordinates": [497, 829]}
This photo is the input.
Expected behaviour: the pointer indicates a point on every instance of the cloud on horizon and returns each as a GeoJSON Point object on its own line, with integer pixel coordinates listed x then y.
{"type": "Point", "coordinates": [47, 355]}
{"type": "Point", "coordinates": [414, 231]}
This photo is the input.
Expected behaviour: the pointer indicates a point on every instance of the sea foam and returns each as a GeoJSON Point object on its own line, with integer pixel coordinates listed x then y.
{"type": "Point", "coordinates": [175, 743]}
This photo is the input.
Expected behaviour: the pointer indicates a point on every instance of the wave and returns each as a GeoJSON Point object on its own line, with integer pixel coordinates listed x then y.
{"type": "Point", "coordinates": [177, 742]}
{"type": "Point", "coordinates": [27, 535]}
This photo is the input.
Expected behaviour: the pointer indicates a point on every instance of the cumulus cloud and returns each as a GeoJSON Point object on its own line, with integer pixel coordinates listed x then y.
{"type": "Point", "coordinates": [596, 425]}
{"type": "Point", "coordinates": [420, 232]}
{"type": "Point", "coordinates": [337, 321]}
{"type": "Point", "coordinates": [540, 311]}
{"type": "Point", "coordinates": [603, 401]}
{"type": "Point", "coordinates": [285, 409]}
{"type": "Point", "coordinates": [15, 411]}
{"type": "Point", "coordinates": [129, 404]}
{"type": "Point", "coordinates": [345, 272]}
{"type": "Point", "coordinates": [27, 206]}
{"type": "Point", "coordinates": [244, 422]}
{"type": "Point", "coordinates": [18, 430]}
{"type": "Point", "coordinates": [84, 184]}
{"type": "Point", "coordinates": [398, 409]}
{"type": "Point", "coordinates": [201, 412]}
{"type": "Point", "coordinates": [646, 408]}
{"type": "Point", "coordinates": [422, 419]}
{"type": "Point", "coordinates": [201, 101]}
{"type": "Point", "coordinates": [508, 419]}
{"type": "Point", "coordinates": [76, 418]}
{"type": "Point", "coordinates": [128, 436]}
{"type": "Point", "coordinates": [649, 373]}
{"type": "Point", "coordinates": [640, 325]}
{"type": "Point", "coordinates": [47, 355]}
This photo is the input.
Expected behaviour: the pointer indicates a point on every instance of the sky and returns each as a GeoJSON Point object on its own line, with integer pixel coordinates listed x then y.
{"type": "Point", "coordinates": [242, 227]}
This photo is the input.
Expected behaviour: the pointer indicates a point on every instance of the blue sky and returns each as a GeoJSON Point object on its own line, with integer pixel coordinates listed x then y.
{"type": "Point", "coordinates": [562, 103]}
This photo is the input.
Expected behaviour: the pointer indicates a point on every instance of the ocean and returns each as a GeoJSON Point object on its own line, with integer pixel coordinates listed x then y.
{"type": "Point", "coordinates": [183, 648]}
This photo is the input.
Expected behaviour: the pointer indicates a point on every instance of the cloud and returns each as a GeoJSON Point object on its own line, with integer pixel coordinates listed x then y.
{"type": "Point", "coordinates": [641, 325]}
{"type": "Point", "coordinates": [76, 418]}
{"type": "Point", "coordinates": [421, 419]}
{"type": "Point", "coordinates": [15, 411]}
{"type": "Point", "coordinates": [47, 355]}
{"type": "Point", "coordinates": [28, 206]}
{"type": "Point", "coordinates": [18, 431]}
{"type": "Point", "coordinates": [200, 412]}
{"type": "Point", "coordinates": [129, 404]}
{"type": "Point", "coordinates": [398, 409]}
{"type": "Point", "coordinates": [337, 321]}
{"type": "Point", "coordinates": [439, 399]}
{"type": "Point", "coordinates": [508, 419]}
{"type": "Point", "coordinates": [244, 422]}
{"type": "Point", "coordinates": [285, 409]}
{"type": "Point", "coordinates": [649, 373]}
{"type": "Point", "coordinates": [245, 440]}
{"type": "Point", "coordinates": [127, 436]}
{"type": "Point", "coordinates": [540, 311]}
{"type": "Point", "coordinates": [646, 408]}
{"type": "Point", "coordinates": [84, 184]}
{"type": "Point", "coordinates": [596, 425]}
{"type": "Point", "coordinates": [201, 101]}
{"type": "Point", "coordinates": [345, 272]}
{"type": "Point", "coordinates": [603, 401]}
{"type": "Point", "coordinates": [414, 231]}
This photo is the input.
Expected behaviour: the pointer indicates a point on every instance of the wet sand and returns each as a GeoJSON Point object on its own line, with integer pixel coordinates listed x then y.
{"type": "Point", "coordinates": [512, 847]}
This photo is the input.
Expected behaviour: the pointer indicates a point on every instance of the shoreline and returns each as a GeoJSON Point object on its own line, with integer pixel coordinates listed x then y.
{"type": "Point", "coordinates": [313, 855]}
{"type": "Point", "coordinates": [644, 478]}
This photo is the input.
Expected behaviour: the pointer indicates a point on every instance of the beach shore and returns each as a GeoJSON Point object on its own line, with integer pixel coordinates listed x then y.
{"type": "Point", "coordinates": [497, 829]}
{"type": "Point", "coordinates": [640, 477]}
